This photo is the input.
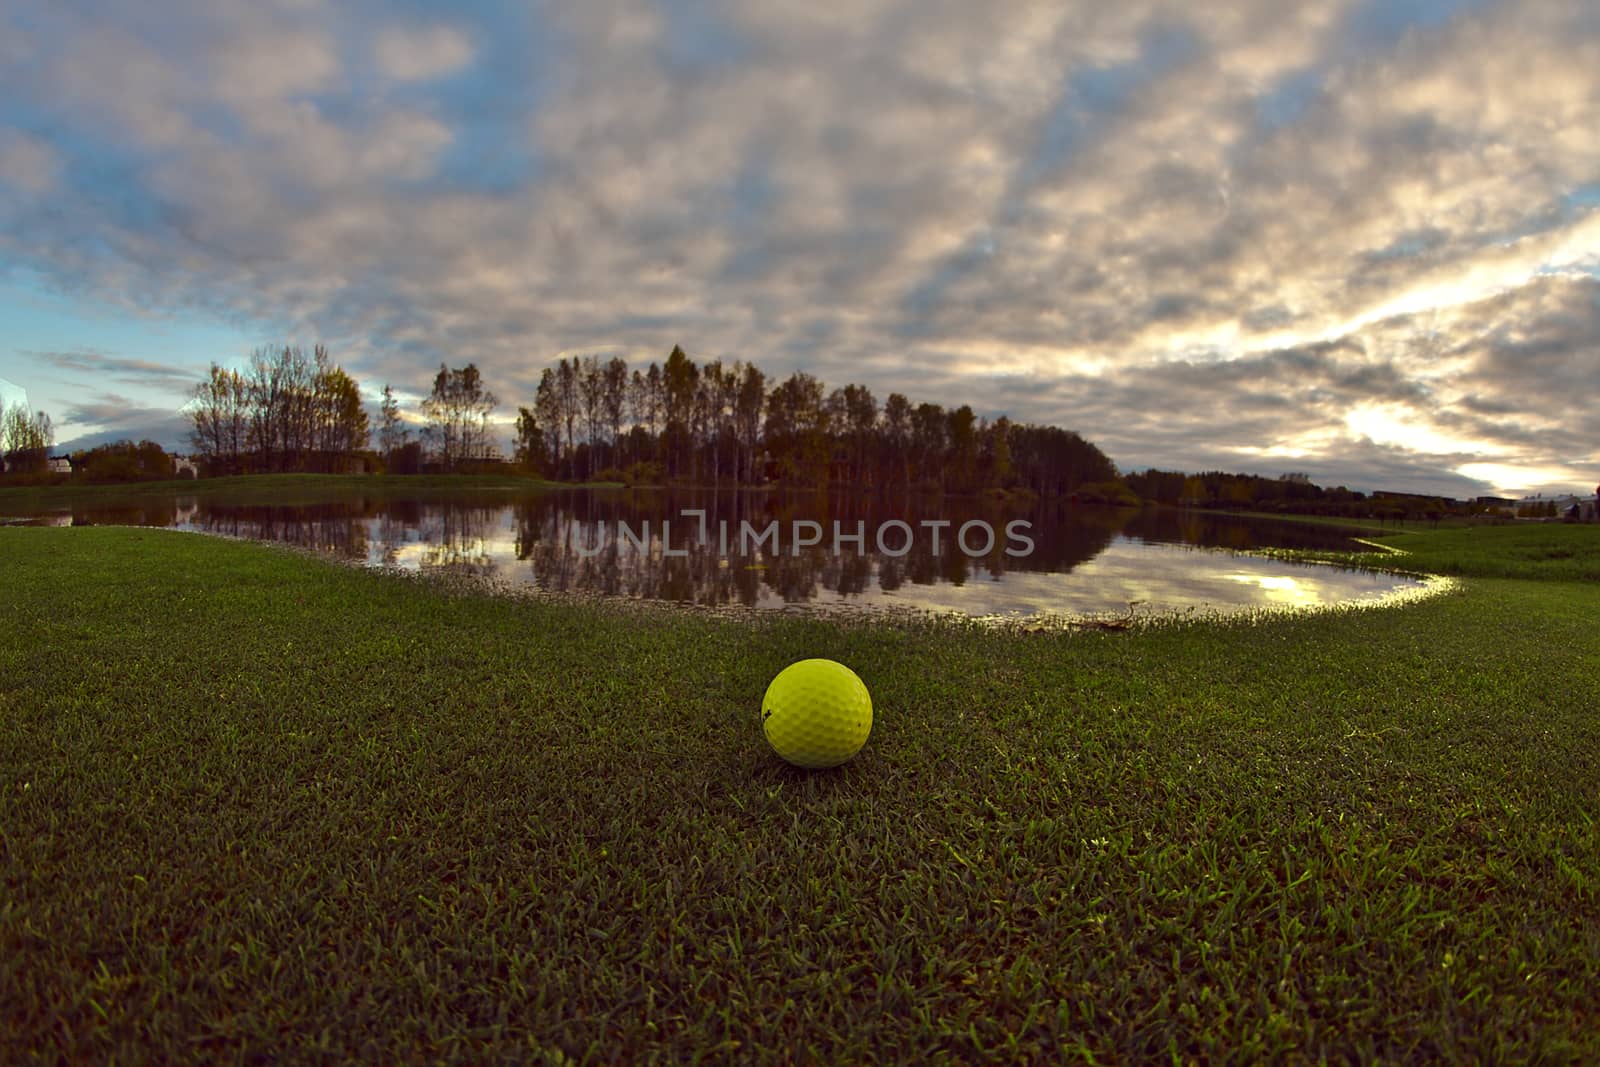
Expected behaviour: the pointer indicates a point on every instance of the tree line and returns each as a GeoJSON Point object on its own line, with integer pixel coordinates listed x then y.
{"type": "Point", "coordinates": [727, 424]}
{"type": "Point", "coordinates": [285, 411]}
{"type": "Point", "coordinates": [1217, 489]}
{"type": "Point", "coordinates": [597, 419]}
{"type": "Point", "coordinates": [1287, 493]}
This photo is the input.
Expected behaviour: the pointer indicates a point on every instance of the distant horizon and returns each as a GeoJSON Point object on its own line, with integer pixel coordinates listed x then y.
{"type": "Point", "coordinates": [182, 447]}
{"type": "Point", "coordinates": [183, 451]}
{"type": "Point", "coordinates": [1353, 238]}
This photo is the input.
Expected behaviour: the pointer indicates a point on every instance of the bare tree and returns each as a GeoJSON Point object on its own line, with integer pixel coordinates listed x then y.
{"type": "Point", "coordinates": [265, 389]}
{"type": "Point", "coordinates": [219, 418]}
{"type": "Point", "coordinates": [567, 398]}
{"type": "Point", "coordinates": [591, 397]}
{"type": "Point", "coordinates": [27, 437]}
{"type": "Point", "coordinates": [614, 400]}
{"type": "Point", "coordinates": [748, 406]}
{"type": "Point", "coordinates": [645, 400]}
{"type": "Point", "coordinates": [458, 414]}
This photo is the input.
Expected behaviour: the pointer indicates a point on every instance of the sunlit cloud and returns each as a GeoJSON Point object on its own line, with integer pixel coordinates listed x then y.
{"type": "Point", "coordinates": [1514, 479]}
{"type": "Point", "coordinates": [1391, 424]}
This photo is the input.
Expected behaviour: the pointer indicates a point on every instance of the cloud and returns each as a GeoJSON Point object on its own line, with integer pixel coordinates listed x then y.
{"type": "Point", "coordinates": [1349, 237]}
{"type": "Point", "coordinates": [119, 418]}
{"type": "Point", "coordinates": [129, 371]}
{"type": "Point", "coordinates": [167, 431]}
{"type": "Point", "coordinates": [418, 54]}
{"type": "Point", "coordinates": [27, 162]}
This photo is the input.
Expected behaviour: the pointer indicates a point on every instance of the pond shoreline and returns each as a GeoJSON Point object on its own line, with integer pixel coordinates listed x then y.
{"type": "Point", "coordinates": [760, 551]}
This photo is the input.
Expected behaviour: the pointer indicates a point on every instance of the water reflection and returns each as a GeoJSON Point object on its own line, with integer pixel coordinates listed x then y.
{"type": "Point", "coordinates": [1081, 560]}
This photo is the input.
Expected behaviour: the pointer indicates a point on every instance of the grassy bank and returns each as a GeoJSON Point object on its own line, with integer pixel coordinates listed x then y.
{"type": "Point", "coordinates": [254, 806]}
{"type": "Point", "coordinates": [275, 488]}
{"type": "Point", "coordinates": [1539, 551]}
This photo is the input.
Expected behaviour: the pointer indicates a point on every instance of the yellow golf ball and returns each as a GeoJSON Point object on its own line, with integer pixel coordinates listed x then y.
{"type": "Point", "coordinates": [816, 713]}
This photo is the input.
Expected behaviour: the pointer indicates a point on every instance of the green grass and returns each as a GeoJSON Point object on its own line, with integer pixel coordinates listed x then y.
{"type": "Point", "coordinates": [255, 807]}
{"type": "Point", "coordinates": [1549, 551]}
{"type": "Point", "coordinates": [1382, 526]}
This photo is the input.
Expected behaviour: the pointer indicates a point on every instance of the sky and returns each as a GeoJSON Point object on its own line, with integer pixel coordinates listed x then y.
{"type": "Point", "coordinates": [1358, 239]}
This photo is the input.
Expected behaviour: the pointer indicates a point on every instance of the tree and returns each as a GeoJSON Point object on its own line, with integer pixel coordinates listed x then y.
{"type": "Point", "coordinates": [680, 379]}
{"type": "Point", "coordinates": [860, 424]}
{"type": "Point", "coordinates": [281, 395]}
{"type": "Point", "coordinates": [1055, 462]}
{"type": "Point", "coordinates": [750, 400]}
{"type": "Point", "coordinates": [342, 426]}
{"type": "Point", "coordinates": [711, 407]}
{"type": "Point", "coordinates": [897, 435]}
{"type": "Point", "coordinates": [655, 386]}
{"type": "Point", "coordinates": [928, 428]}
{"type": "Point", "coordinates": [567, 398]}
{"type": "Point", "coordinates": [547, 413]}
{"type": "Point", "coordinates": [123, 461]}
{"type": "Point", "coordinates": [458, 415]}
{"type": "Point", "coordinates": [591, 397]}
{"type": "Point", "coordinates": [1001, 472]}
{"type": "Point", "coordinates": [797, 430]}
{"type": "Point", "coordinates": [530, 453]}
{"type": "Point", "coordinates": [614, 398]}
{"type": "Point", "coordinates": [963, 459]}
{"type": "Point", "coordinates": [27, 437]}
{"type": "Point", "coordinates": [392, 432]}
{"type": "Point", "coordinates": [639, 402]}
{"type": "Point", "coordinates": [266, 389]}
{"type": "Point", "coordinates": [285, 411]}
{"type": "Point", "coordinates": [219, 419]}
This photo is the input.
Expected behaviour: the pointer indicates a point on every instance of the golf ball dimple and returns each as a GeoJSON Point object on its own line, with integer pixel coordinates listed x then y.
{"type": "Point", "coordinates": [817, 713]}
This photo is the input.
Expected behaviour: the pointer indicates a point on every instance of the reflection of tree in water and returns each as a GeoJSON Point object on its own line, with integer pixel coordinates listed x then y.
{"type": "Point", "coordinates": [159, 512]}
{"type": "Point", "coordinates": [1211, 530]}
{"type": "Point", "coordinates": [335, 527]}
{"type": "Point", "coordinates": [550, 531]}
{"type": "Point", "coordinates": [398, 521]}
{"type": "Point", "coordinates": [455, 537]}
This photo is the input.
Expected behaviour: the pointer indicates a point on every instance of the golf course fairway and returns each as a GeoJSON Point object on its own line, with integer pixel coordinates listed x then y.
{"type": "Point", "coordinates": [255, 806]}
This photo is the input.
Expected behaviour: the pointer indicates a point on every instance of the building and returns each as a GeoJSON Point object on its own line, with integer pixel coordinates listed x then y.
{"type": "Point", "coordinates": [1562, 505]}
{"type": "Point", "coordinates": [60, 465]}
{"type": "Point", "coordinates": [183, 467]}
{"type": "Point", "coordinates": [1585, 506]}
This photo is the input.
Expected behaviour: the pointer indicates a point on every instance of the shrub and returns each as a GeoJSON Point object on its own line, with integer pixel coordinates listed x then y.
{"type": "Point", "coordinates": [645, 474]}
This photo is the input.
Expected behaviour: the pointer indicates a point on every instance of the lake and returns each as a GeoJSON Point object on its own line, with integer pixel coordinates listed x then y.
{"type": "Point", "coordinates": [778, 551]}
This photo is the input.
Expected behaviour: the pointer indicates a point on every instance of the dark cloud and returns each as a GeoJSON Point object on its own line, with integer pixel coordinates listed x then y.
{"type": "Point", "coordinates": [169, 433]}
{"type": "Point", "coordinates": [116, 418]}
{"type": "Point", "coordinates": [130, 371]}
